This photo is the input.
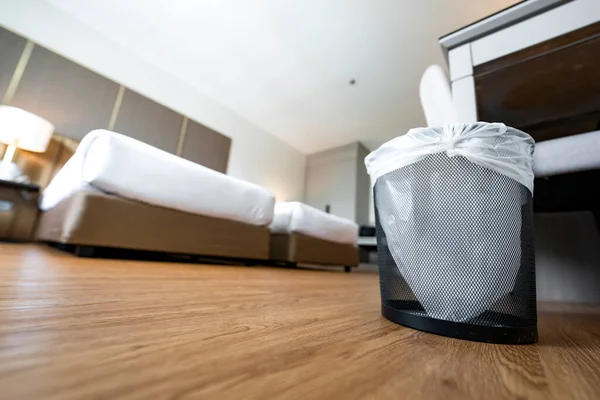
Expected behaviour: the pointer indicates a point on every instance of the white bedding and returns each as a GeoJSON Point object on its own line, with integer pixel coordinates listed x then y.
{"type": "Point", "coordinates": [568, 154]}
{"type": "Point", "coordinates": [295, 217]}
{"type": "Point", "coordinates": [113, 163]}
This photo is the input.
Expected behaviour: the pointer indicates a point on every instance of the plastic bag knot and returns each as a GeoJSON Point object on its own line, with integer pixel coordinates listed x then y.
{"type": "Point", "coordinates": [451, 150]}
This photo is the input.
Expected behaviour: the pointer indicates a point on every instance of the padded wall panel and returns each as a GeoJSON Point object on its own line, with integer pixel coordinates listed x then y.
{"type": "Point", "coordinates": [206, 147]}
{"type": "Point", "coordinates": [148, 121]}
{"type": "Point", "coordinates": [11, 47]}
{"type": "Point", "coordinates": [73, 98]}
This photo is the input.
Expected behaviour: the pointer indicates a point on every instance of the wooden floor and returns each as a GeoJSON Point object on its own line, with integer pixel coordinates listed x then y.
{"type": "Point", "coordinates": [79, 328]}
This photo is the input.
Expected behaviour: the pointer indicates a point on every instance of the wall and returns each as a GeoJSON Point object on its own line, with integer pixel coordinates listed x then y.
{"type": "Point", "coordinates": [338, 177]}
{"type": "Point", "coordinates": [255, 155]}
{"type": "Point", "coordinates": [363, 187]}
{"type": "Point", "coordinates": [371, 207]}
{"type": "Point", "coordinates": [331, 179]}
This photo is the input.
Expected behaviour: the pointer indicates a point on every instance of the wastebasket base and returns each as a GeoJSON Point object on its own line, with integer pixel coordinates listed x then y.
{"type": "Point", "coordinates": [477, 333]}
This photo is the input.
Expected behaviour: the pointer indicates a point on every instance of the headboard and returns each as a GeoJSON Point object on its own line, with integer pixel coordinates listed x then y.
{"type": "Point", "coordinates": [77, 100]}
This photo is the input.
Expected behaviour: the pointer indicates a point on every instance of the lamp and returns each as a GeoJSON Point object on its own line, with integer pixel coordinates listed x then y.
{"type": "Point", "coordinates": [20, 129]}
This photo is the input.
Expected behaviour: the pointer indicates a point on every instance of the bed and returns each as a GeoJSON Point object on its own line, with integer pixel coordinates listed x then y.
{"type": "Point", "coordinates": [301, 234]}
{"type": "Point", "coordinates": [118, 192]}
{"type": "Point", "coordinates": [567, 155]}
{"type": "Point", "coordinates": [567, 174]}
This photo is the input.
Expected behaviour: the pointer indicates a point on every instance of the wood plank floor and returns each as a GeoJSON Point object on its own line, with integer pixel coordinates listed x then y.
{"type": "Point", "coordinates": [79, 328]}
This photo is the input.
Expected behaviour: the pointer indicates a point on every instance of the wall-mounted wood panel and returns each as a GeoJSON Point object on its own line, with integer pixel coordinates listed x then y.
{"type": "Point", "coordinates": [206, 147]}
{"type": "Point", "coordinates": [11, 47]}
{"type": "Point", "coordinates": [67, 149]}
{"type": "Point", "coordinates": [40, 168]}
{"type": "Point", "coordinates": [75, 99]}
{"type": "Point", "coordinates": [148, 121]}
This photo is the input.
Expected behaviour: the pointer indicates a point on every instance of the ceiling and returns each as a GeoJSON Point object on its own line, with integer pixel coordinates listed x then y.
{"type": "Point", "coordinates": [286, 65]}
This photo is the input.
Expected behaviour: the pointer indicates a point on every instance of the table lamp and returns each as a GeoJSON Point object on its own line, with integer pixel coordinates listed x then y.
{"type": "Point", "coordinates": [20, 129]}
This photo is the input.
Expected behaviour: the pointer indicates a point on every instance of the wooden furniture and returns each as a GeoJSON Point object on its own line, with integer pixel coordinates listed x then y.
{"type": "Point", "coordinates": [532, 66]}
{"type": "Point", "coordinates": [549, 90]}
{"type": "Point", "coordinates": [535, 66]}
{"type": "Point", "coordinates": [18, 202]}
{"type": "Point", "coordinates": [18, 210]}
{"type": "Point", "coordinates": [75, 328]}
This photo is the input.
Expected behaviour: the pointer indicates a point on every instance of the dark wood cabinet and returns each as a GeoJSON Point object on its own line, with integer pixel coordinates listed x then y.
{"type": "Point", "coordinates": [548, 90]}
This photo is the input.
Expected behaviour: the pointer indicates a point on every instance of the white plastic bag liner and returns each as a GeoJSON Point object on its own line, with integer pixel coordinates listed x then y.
{"type": "Point", "coordinates": [453, 228]}
{"type": "Point", "coordinates": [492, 145]}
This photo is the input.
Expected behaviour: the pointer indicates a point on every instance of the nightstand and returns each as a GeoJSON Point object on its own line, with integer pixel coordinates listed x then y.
{"type": "Point", "coordinates": [18, 210]}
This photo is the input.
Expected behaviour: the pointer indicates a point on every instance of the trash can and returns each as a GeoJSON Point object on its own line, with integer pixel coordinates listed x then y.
{"type": "Point", "coordinates": [453, 208]}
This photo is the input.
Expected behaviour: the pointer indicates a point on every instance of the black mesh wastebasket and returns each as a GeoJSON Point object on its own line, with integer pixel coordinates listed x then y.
{"type": "Point", "coordinates": [455, 250]}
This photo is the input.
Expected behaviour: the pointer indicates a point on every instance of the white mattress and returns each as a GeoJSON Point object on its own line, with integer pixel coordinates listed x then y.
{"type": "Point", "coordinates": [295, 217]}
{"type": "Point", "coordinates": [569, 154]}
{"type": "Point", "coordinates": [116, 164]}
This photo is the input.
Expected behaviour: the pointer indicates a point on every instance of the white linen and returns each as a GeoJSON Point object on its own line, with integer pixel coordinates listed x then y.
{"type": "Point", "coordinates": [568, 154]}
{"type": "Point", "coordinates": [436, 97]}
{"type": "Point", "coordinates": [296, 217]}
{"type": "Point", "coordinates": [114, 163]}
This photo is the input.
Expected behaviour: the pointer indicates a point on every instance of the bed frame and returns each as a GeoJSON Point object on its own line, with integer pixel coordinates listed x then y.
{"type": "Point", "coordinates": [293, 249]}
{"type": "Point", "coordinates": [89, 221]}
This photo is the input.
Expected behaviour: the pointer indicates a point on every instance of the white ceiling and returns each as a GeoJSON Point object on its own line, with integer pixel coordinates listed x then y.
{"type": "Point", "coordinates": [285, 65]}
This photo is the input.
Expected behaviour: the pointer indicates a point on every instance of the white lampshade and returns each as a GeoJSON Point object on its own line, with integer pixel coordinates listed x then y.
{"type": "Point", "coordinates": [25, 130]}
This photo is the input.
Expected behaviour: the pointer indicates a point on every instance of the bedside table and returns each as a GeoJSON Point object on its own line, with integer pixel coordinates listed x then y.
{"type": "Point", "coordinates": [18, 210]}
